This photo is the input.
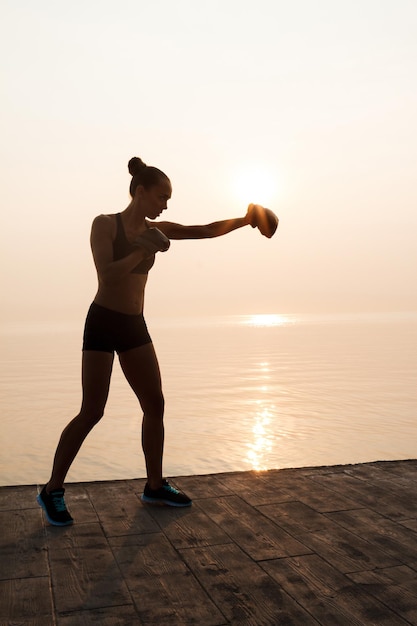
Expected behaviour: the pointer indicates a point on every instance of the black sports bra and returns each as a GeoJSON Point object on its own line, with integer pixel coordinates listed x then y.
{"type": "Point", "coordinates": [122, 247]}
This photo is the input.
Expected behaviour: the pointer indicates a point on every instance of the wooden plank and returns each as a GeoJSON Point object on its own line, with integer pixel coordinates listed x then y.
{"type": "Point", "coordinates": [75, 537]}
{"type": "Point", "coordinates": [189, 527]}
{"type": "Point", "coordinates": [372, 473]}
{"type": "Point", "coordinates": [324, 469]}
{"type": "Point", "coordinates": [409, 523]}
{"type": "Point", "coordinates": [120, 510]}
{"type": "Point", "coordinates": [26, 600]}
{"type": "Point", "coordinates": [79, 504]}
{"type": "Point", "coordinates": [327, 594]}
{"type": "Point", "coordinates": [324, 500]}
{"type": "Point", "coordinates": [259, 488]}
{"type": "Point", "coordinates": [249, 529]}
{"type": "Point", "coordinates": [241, 589]}
{"type": "Point", "coordinates": [402, 472]}
{"type": "Point", "coordinates": [307, 575]}
{"type": "Point", "coordinates": [400, 575]}
{"type": "Point", "coordinates": [313, 583]}
{"type": "Point", "coordinates": [22, 544]}
{"type": "Point", "coordinates": [200, 487]}
{"type": "Point", "coordinates": [277, 486]}
{"type": "Point", "coordinates": [87, 579]}
{"type": "Point", "coordinates": [18, 497]}
{"type": "Point", "coordinates": [162, 586]}
{"type": "Point", "coordinates": [109, 616]}
{"type": "Point", "coordinates": [346, 551]}
{"type": "Point", "coordinates": [296, 517]}
{"type": "Point", "coordinates": [373, 496]}
{"type": "Point", "coordinates": [390, 536]}
{"type": "Point", "coordinates": [368, 609]}
{"type": "Point", "coordinates": [390, 482]}
{"type": "Point", "coordinates": [395, 596]}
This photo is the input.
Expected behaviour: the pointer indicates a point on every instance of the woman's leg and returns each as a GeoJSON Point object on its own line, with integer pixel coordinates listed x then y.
{"type": "Point", "coordinates": [96, 373]}
{"type": "Point", "coordinates": [140, 366]}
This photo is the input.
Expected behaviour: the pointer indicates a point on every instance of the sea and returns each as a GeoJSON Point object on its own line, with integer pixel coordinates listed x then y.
{"type": "Point", "coordinates": [243, 392]}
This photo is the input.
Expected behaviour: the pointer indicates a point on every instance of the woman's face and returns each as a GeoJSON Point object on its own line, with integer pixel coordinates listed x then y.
{"type": "Point", "coordinates": [154, 200]}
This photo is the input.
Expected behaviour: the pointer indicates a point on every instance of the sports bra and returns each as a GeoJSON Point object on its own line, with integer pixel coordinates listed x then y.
{"type": "Point", "coordinates": [122, 247]}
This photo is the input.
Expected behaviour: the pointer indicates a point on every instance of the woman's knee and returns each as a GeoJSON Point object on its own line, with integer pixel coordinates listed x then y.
{"type": "Point", "coordinates": [90, 415]}
{"type": "Point", "coordinates": [153, 404]}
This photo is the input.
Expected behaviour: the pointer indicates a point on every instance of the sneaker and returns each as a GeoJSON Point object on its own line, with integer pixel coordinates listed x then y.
{"type": "Point", "coordinates": [165, 495]}
{"type": "Point", "coordinates": [54, 506]}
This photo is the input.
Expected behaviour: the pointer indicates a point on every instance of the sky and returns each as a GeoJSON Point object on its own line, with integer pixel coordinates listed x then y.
{"type": "Point", "coordinates": [306, 106]}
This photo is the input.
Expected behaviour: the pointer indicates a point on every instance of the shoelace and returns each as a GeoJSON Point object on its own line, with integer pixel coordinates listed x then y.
{"type": "Point", "coordinates": [170, 488]}
{"type": "Point", "coordinates": [59, 503]}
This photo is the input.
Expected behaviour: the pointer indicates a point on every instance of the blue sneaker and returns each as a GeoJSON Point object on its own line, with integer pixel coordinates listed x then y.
{"type": "Point", "coordinates": [54, 506]}
{"type": "Point", "coordinates": [165, 495]}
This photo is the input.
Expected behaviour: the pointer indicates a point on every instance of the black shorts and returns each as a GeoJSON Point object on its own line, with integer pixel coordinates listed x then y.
{"type": "Point", "coordinates": [108, 331]}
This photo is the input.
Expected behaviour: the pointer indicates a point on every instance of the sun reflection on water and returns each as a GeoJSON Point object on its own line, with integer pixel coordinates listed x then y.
{"type": "Point", "coordinates": [261, 443]}
{"type": "Point", "coordinates": [270, 319]}
{"type": "Point", "coordinates": [263, 426]}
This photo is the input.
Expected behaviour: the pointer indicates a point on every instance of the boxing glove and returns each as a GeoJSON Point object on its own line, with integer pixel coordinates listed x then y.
{"type": "Point", "coordinates": [153, 240]}
{"type": "Point", "coordinates": [263, 219]}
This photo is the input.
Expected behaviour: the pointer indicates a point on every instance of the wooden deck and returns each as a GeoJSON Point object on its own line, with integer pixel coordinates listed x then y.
{"type": "Point", "coordinates": [328, 545]}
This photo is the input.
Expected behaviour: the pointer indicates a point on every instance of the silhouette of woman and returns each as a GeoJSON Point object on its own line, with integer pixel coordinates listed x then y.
{"type": "Point", "coordinates": [124, 246]}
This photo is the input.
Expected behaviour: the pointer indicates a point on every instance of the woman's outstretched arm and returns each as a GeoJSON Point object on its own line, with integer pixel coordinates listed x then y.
{"type": "Point", "coordinates": [206, 231]}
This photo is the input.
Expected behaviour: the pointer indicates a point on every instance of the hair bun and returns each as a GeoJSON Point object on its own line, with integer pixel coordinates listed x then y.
{"type": "Point", "coordinates": [135, 165]}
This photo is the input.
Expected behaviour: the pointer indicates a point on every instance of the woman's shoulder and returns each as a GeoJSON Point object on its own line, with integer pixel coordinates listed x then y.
{"type": "Point", "coordinates": [105, 220]}
{"type": "Point", "coordinates": [105, 217]}
{"type": "Point", "coordinates": [104, 223]}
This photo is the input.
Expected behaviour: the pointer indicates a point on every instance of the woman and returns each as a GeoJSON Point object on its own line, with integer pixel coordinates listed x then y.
{"type": "Point", "coordinates": [124, 247]}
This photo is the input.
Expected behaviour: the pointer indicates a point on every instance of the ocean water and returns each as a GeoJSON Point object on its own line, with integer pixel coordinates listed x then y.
{"type": "Point", "coordinates": [242, 392]}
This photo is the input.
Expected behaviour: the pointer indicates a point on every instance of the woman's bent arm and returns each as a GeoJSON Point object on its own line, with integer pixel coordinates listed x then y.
{"type": "Point", "coordinates": [102, 248]}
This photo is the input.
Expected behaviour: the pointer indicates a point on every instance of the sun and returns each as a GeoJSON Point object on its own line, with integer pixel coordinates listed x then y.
{"type": "Point", "coordinates": [256, 184]}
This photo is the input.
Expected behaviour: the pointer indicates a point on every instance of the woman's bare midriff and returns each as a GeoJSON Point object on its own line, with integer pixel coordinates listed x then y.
{"type": "Point", "coordinates": [127, 296]}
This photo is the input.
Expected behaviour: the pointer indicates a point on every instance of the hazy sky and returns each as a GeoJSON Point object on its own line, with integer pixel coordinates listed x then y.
{"type": "Point", "coordinates": [309, 106]}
